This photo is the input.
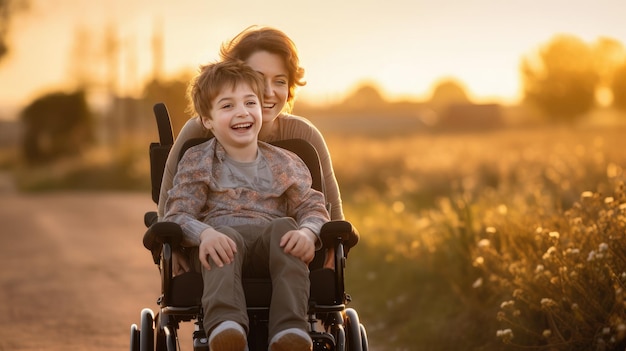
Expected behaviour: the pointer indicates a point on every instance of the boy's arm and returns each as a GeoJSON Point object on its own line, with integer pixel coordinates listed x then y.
{"type": "Point", "coordinates": [307, 204]}
{"type": "Point", "coordinates": [188, 197]}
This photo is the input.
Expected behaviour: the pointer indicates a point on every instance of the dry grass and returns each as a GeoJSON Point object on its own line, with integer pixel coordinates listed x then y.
{"type": "Point", "coordinates": [509, 239]}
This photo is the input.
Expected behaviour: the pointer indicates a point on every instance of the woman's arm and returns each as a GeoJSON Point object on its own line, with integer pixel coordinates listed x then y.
{"type": "Point", "coordinates": [301, 128]}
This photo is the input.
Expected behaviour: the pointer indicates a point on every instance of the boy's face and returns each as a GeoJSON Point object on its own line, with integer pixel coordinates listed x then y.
{"type": "Point", "coordinates": [236, 117]}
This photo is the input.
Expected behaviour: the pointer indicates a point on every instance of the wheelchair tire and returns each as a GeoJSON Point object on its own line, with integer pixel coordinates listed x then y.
{"type": "Point", "coordinates": [162, 333]}
{"type": "Point", "coordinates": [364, 342]}
{"type": "Point", "coordinates": [341, 338]}
{"type": "Point", "coordinates": [146, 336]}
{"type": "Point", "coordinates": [353, 331]}
{"type": "Point", "coordinates": [134, 338]}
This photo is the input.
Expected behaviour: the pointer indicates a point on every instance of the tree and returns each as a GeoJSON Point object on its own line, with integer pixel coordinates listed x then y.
{"type": "Point", "coordinates": [8, 8]}
{"type": "Point", "coordinates": [56, 125]}
{"type": "Point", "coordinates": [448, 92]}
{"type": "Point", "coordinates": [366, 96]}
{"type": "Point", "coordinates": [172, 93]}
{"type": "Point", "coordinates": [618, 87]}
{"type": "Point", "coordinates": [608, 55]}
{"type": "Point", "coordinates": [562, 79]}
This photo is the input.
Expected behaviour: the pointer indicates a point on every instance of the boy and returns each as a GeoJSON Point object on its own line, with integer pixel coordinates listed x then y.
{"type": "Point", "coordinates": [247, 206]}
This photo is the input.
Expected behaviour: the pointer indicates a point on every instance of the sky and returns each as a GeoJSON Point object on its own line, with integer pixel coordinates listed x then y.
{"type": "Point", "coordinates": [403, 46]}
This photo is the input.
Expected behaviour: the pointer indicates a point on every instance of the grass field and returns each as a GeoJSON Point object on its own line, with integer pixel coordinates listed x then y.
{"type": "Point", "coordinates": [488, 241]}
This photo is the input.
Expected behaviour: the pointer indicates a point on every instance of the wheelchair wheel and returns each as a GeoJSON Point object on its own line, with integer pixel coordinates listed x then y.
{"type": "Point", "coordinates": [341, 338]}
{"type": "Point", "coordinates": [146, 335]}
{"type": "Point", "coordinates": [134, 338]}
{"type": "Point", "coordinates": [353, 331]}
{"type": "Point", "coordinates": [364, 342]}
{"type": "Point", "coordinates": [165, 338]}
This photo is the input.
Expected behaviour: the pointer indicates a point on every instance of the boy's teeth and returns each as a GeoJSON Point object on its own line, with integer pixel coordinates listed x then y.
{"type": "Point", "coordinates": [245, 125]}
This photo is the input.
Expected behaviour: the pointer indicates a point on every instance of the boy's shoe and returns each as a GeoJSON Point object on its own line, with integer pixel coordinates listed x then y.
{"type": "Point", "coordinates": [292, 339]}
{"type": "Point", "coordinates": [228, 336]}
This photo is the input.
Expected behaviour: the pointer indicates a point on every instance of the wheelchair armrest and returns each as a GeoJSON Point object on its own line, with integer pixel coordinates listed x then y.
{"type": "Point", "coordinates": [343, 232]}
{"type": "Point", "coordinates": [160, 233]}
{"type": "Point", "coordinates": [150, 218]}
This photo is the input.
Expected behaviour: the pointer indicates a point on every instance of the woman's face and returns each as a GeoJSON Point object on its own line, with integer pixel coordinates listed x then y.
{"type": "Point", "coordinates": [276, 77]}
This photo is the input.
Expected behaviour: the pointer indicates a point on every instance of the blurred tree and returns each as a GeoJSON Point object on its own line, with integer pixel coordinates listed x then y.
{"type": "Point", "coordinates": [367, 95]}
{"type": "Point", "coordinates": [8, 8]}
{"type": "Point", "coordinates": [449, 91]}
{"type": "Point", "coordinates": [562, 79]}
{"type": "Point", "coordinates": [56, 125]}
{"type": "Point", "coordinates": [173, 94]}
{"type": "Point", "coordinates": [618, 87]}
{"type": "Point", "coordinates": [446, 93]}
{"type": "Point", "coordinates": [608, 55]}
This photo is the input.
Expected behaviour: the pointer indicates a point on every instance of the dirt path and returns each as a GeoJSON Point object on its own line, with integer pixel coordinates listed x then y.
{"type": "Point", "coordinates": [73, 272]}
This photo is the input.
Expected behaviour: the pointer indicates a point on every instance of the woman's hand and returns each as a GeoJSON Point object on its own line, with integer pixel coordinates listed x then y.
{"type": "Point", "coordinates": [180, 263]}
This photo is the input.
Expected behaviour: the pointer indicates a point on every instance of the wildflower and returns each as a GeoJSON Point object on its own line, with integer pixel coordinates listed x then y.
{"type": "Point", "coordinates": [551, 251]}
{"type": "Point", "coordinates": [608, 200]}
{"type": "Point", "coordinates": [586, 194]}
{"type": "Point", "coordinates": [484, 243]}
{"type": "Point", "coordinates": [554, 235]}
{"type": "Point", "coordinates": [547, 302]}
{"type": "Point", "coordinates": [547, 333]}
{"type": "Point", "coordinates": [478, 283]}
{"type": "Point", "coordinates": [517, 293]}
{"type": "Point", "coordinates": [622, 206]}
{"type": "Point", "coordinates": [603, 247]}
{"type": "Point", "coordinates": [490, 230]}
{"type": "Point", "coordinates": [571, 251]}
{"type": "Point", "coordinates": [539, 268]}
{"type": "Point", "coordinates": [505, 334]}
{"type": "Point", "coordinates": [507, 304]}
{"type": "Point", "coordinates": [479, 261]}
{"type": "Point", "coordinates": [516, 313]}
{"type": "Point", "coordinates": [606, 330]}
{"type": "Point", "coordinates": [500, 316]}
{"type": "Point", "coordinates": [591, 256]}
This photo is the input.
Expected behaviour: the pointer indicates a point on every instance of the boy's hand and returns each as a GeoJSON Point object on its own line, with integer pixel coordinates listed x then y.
{"type": "Point", "coordinates": [300, 243]}
{"type": "Point", "coordinates": [218, 246]}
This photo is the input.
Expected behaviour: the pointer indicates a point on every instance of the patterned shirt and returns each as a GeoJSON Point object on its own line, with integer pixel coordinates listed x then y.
{"type": "Point", "coordinates": [198, 200]}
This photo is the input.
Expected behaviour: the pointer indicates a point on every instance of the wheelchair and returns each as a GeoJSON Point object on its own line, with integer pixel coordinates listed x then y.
{"type": "Point", "coordinates": [333, 326]}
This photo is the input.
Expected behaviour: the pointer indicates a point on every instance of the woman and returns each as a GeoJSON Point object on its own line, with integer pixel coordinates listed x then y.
{"type": "Point", "coordinates": [272, 53]}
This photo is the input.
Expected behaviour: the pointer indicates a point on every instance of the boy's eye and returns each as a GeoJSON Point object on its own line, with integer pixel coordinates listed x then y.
{"type": "Point", "coordinates": [251, 103]}
{"type": "Point", "coordinates": [227, 105]}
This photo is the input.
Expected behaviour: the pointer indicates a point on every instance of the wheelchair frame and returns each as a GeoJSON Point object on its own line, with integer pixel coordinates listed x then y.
{"type": "Point", "coordinates": [179, 301]}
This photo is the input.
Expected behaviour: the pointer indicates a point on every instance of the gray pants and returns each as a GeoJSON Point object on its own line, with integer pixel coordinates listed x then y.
{"type": "Point", "coordinates": [258, 255]}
